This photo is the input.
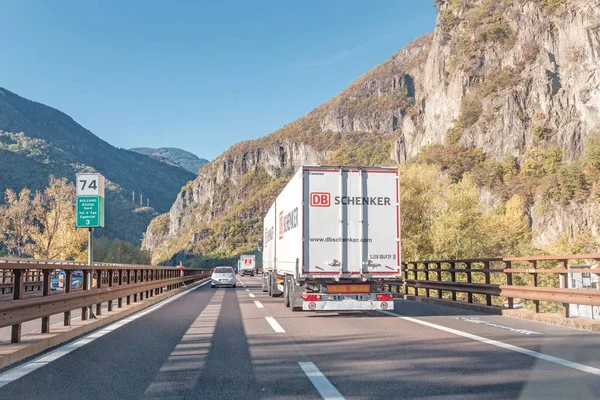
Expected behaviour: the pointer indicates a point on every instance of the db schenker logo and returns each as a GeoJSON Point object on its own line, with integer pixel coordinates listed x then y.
{"type": "Point", "coordinates": [320, 199]}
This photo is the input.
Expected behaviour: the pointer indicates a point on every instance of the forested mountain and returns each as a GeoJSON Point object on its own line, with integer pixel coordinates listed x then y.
{"type": "Point", "coordinates": [493, 118]}
{"type": "Point", "coordinates": [174, 156]}
{"type": "Point", "coordinates": [37, 141]}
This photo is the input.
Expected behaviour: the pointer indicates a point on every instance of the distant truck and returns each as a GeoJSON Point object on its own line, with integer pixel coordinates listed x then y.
{"type": "Point", "coordinates": [247, 264]}
{"type": "Point", "coordinates": [331, 239]}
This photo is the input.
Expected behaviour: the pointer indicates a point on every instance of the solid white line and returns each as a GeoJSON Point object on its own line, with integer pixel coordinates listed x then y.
{"type": "Point", "coordinates": [541, 356]}
{"type": "Point", "coordinates": [320, 382]}
{"type": "Point", "coordinates": [251, 294]}
{"type": "Point", "coordinates": [24, 369]}
{"type": "Point", "coordinates": [258, 304]}
{"type": "Point", "coordinates": [275, 325]}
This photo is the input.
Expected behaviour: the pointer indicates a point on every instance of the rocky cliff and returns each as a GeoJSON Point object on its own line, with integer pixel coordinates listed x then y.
{"type": "Point", "coordinates": [517, 79]}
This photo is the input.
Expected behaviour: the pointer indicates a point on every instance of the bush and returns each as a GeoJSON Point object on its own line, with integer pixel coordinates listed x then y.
{"type": "Point", "coordinates": [592, 151]}
{"type": "Point", "coordinates": [470, 111]}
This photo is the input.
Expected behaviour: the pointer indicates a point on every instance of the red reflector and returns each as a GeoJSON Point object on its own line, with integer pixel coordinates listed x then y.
{"type": "Point", "coordinates": [312, 297]}
{"type": "Point", "coordinates": [384, 297]}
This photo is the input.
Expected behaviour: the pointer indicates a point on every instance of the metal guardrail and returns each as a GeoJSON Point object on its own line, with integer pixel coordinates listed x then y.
{"type": "Point", "coordinates": [483, 280]}
{"type": "Point", "coordinates": [116, 282]}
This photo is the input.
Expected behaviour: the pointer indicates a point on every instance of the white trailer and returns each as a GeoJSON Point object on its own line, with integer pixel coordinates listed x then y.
{"type": "Point", "coordinates": [332, 239]}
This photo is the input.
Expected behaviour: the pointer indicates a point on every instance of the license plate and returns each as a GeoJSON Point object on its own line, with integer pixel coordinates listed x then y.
{"type": "Point", "coordinates": [342, 297]}
{"type": "Point", "coordinates": [223, 280]}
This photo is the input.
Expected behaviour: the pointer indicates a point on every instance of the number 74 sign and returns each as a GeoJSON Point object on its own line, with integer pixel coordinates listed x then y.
{"type": "Point", "coordinates": [90, 201]}
{"type": "Point", "coordinates": [90, 185]}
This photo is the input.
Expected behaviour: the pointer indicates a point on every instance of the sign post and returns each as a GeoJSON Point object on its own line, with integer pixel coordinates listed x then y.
{"type": "Point", "coordinates": [90, 211]}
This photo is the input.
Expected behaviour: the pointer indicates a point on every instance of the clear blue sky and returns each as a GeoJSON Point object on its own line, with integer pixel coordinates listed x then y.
{"type": "Point", "coordinates": [196, 74]}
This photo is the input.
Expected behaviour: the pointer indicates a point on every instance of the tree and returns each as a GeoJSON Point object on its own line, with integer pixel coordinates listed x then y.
{"type": "Point", "coordinates": [458, 232]}
{"type": "Point", "coordinates": [124, 253]}
{"type": "Point", "coordinates": [508, 233]}
{"type": "Point", "coordinates": [56, 236]}
{"type": "Point", "coordinates": [421, 195]}
{"type": "Point", "coordinates": [17, 222]}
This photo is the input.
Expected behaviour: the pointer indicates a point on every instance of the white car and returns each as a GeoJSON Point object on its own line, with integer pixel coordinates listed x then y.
{"type": "Point", "coordinates": [223, 276]}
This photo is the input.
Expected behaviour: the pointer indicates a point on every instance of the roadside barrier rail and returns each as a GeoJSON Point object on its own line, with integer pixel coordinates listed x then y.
{"type": "Point", "coordinates": [501, 281]}
{"type": "Point", "coordinates": [26, 286]}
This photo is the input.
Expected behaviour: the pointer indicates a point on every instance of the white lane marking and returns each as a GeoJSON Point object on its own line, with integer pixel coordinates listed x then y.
{"type": "Point", "coordinates": [251, 294]}
{"type": "Point", "coordinates": [247, 290]}
{"type": "Point", "coordinates": [258, 304]}
{"type": "Point", "coordinates": [275, 325]}
{"type": "Point", "coordinates": [502, 345]}
{"type": "Point", "coordinates": [24, 369]}
{"type": "Point", "coordinates": [320, 382]}
{"type": "Point", "coordinates": [475, 320]}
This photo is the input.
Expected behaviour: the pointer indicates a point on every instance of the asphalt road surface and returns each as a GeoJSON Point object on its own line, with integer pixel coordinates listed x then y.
{"type": "Point", "coordinates": [241, 344]}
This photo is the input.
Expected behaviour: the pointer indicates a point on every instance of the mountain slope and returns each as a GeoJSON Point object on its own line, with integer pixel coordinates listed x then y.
{"type": "Point", "coordinates": [174, 156]}
{"type": "Point", "coordinates": [505, 92]}
{"type": "Point", "coordinates": [37, 140]}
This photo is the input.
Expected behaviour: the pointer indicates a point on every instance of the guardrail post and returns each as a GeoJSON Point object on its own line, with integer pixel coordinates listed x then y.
{"type": "Point", "coordinates": [152, 279]}
{"type": "Point", "coordinates": [15, 336]}
{"type": "Point", "coordinates": [128, 277]}
{"type": "Point", "coordinates": [509, 282]}
{"type": "Point", "coordinates": [426, 265]}
{"type": "Point", "coordinates": [453, 278]}
{"type": "Point", "coordinates": [141, 280]}
{"type": "Point", "coordinates": [563, 280]}
{"type": "Point", "coordinates": [469, 280]}
{"type": "Point", "coordinates": [111, 278]}
{"type": "Point", "coordinates": [46, 292]}
{"type": "Point", "coordinates": [488, 297]}
{"type": "Point", "coordinates": [99, 285]}
{"type": "Point", "coordinates": [68, 283]}
{"type": "Point", "coordinates": [534, 283]}
{"type": "Point", "coordinates": [120, 282]}
{"type": "Point", "coordinates": [84, 310]}
{"type": "Point", "coordinates": [3, 272]}
{"type": "Point", "coordinates": [439, 279]}
{"type": "Point", "coordinates": [161, 274]}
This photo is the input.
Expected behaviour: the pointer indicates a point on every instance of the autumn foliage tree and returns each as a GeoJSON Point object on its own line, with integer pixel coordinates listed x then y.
{"type": "Point", "coordinates": [55, 236]}
{"type": "Point", "coordinates": [17, 222]}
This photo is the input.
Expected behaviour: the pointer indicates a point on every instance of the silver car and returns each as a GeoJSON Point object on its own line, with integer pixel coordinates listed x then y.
{"type": "Point", "coordinates": [223, 276]}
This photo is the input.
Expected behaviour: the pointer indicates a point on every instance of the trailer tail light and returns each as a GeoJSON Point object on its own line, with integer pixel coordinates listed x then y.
{"type": "Point", "coordinates": [384, 297]}
{"type": "Point", "coordinates": [311, 297]}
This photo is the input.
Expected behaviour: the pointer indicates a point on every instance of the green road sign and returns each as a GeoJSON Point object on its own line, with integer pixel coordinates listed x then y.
{"type": "Point", "coordinates": [90, 212]}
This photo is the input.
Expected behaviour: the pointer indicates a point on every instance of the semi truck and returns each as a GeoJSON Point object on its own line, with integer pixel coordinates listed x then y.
{"type": "Point", "coordinates": [331, 239]}
{"type": "Point", "coordinates": [247, 264]}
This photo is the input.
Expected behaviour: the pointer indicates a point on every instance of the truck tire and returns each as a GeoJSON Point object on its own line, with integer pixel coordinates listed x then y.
{"type": "Point", "coordinates": [286, 291]}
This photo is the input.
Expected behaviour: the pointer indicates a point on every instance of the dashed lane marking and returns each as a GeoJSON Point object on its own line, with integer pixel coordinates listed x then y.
{"type": "Point", "coordinates": [320, 382]}
{"type": "Point", "coordinates": [275, 325]}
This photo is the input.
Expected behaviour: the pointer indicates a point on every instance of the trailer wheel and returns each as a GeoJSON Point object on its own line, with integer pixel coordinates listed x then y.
{"type": "Point", "coordinates": [286, 291]}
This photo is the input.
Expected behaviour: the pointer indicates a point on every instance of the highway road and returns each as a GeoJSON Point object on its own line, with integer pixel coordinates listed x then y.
{"type": "Point", "coordinates": [241, 344]}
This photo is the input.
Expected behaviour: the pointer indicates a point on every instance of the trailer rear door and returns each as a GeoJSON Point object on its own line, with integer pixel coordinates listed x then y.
{"type": "Point", "coordinates": [352, 222]}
